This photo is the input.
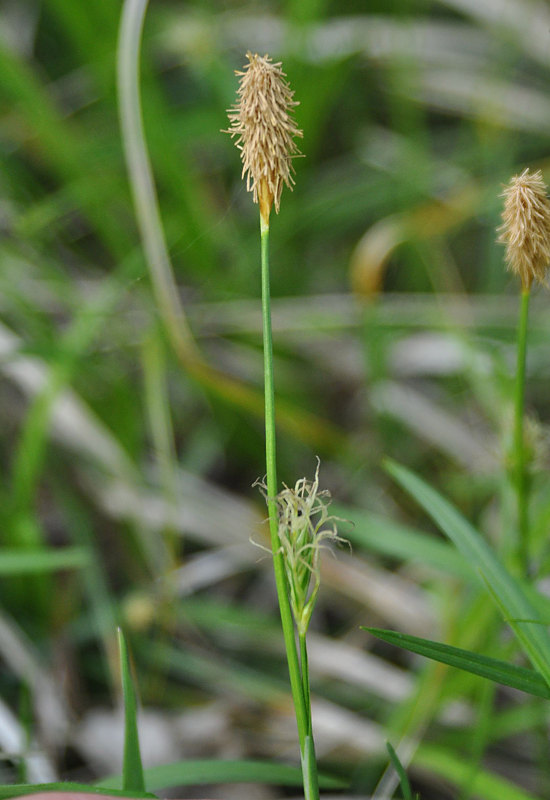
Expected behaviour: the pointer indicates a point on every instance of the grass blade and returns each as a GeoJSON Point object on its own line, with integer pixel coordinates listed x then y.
{"type": "Point", "coordinates": [526, 680]}
{"type": "Point", "coordinates": [455, 770]}
{"type": "Point", "coordinates": [376, 533]}
{"type": "Point", "coordinates": [519, 612]}
{"type": "Point", "coordinates": [398, 766]}
{"type": "Point", "coordinates": [209, 771]}
{"type": "Point", "coordinates": [19, 789]}
{"type": "Point", "coordinates": [132, 769]}
{"type": "Point", "coordinates": [16, 561]}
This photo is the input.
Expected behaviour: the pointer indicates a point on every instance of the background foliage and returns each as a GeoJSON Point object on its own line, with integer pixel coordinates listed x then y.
{"type": "Point", "coordinates": [126, 480]}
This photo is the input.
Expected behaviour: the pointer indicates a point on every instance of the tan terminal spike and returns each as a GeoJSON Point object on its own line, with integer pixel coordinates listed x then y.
{"type": "Point", "coordinates": [262, 120]}
{"type": "Point", "coordinates": [525, 228]}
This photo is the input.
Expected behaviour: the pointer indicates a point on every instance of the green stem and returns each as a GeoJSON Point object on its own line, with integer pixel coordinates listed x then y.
{"type": "Point", "coordinates": [142, 184]}
{"type": "Point", "coordinates": [519, 457]}
{"type": "Point", "coordinates": [305, 678]}
{"type": "Point", "coordinates": [271, 470]}
{"type": "Point", "coordinates": [309, 761]}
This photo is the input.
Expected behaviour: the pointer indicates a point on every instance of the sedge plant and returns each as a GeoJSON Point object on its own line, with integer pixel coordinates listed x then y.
{"type": "Point", "coordinates": [263, 123]}
{"type": "Point", "coordinates": [525, 231]}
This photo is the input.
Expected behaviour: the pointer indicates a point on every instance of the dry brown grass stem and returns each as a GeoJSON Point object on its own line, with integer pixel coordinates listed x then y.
{"type": "Point", "coordinates": [526, 227]}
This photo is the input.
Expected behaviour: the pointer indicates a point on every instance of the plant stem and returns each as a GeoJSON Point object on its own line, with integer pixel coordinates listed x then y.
{"type": "Point", "coordinates": [305, 677]}
{"type": "Point", "coordinates": [309, 763]}
{"type": "Point", "coordinates": [519, 459]}
{"type": "Point", "coordinates": [295, 673]}
{"type": "Point", "coordinates": [142, 183]}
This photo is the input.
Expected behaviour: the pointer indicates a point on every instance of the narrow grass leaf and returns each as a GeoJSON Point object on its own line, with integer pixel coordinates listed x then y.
{"type": "Point", "coordinates": [207, 771]}
{"type": "Point", "coordinates": [19, 789]}
{"type": "Point", "coordinates": [398, 766]}
{"type": "Point", "coordinates": [15, 561]}
{"type": "Point", "coordinates": [526, 680]}
{"type": "Point", "coordinates": [455, 770]}
{"type": "Point", "coordinates": [378, 534]}
{"type": "Point", "coordinates": [218, 676]}
{"type": "Point", "coordinates": [519, 612]}
{"type": "Point", "coordinates": [132, 769]}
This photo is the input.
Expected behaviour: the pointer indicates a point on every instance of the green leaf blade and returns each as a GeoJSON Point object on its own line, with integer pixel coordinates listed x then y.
{"type": "Point", "coordinates": [210, 771]}
{"type": "Point", "coordinates": [132, 769]}
{"type": "Point", "coordinates": [493, 669]}
{"type": "Point", "coordinates": [74, 789]}
{"type": "Point", "coordinates": [17, 561]}
{"type": "Point", "coordinates": [399, 768]}
{"type": "Point", "coordinates": [508, 592]}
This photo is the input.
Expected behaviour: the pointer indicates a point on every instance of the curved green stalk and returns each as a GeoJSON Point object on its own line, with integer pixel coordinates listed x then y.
{"type": "Point", "coordinates": [160, 269]}
{"type": "Point", "coordinates": [142, 183]}
{"type": "Point", "coordinates": [303, 717]}
{"type": "Point", "coordinates": [520, 477]}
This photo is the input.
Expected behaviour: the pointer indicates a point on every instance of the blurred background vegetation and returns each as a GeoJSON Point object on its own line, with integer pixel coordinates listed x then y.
{"type": "Point", "coordinates": [126, 492]}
